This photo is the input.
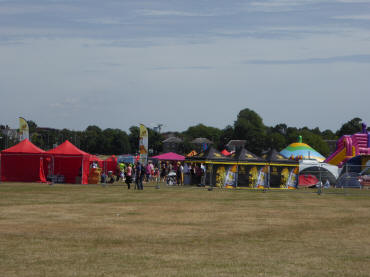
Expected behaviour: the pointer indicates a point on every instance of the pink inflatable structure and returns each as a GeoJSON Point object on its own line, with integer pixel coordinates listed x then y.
{"type": "Point", "coordinates": [349, 146]}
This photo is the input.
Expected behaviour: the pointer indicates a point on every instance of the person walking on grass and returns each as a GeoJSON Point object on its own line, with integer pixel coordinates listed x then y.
{"type": "Point", "coordinates": [128, 175]}
{"type": "Point", "coordinates": [140, 172]}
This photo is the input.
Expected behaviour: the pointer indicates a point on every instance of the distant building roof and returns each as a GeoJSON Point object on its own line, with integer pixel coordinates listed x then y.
{"type": "Point", "coordinates": [11, 133]}
{"type": "Point", "coordinates": [201, 141]}
{"type": "Point", "coordinates": [236, 143]}
{"type": "Point", "coordinates": [167, 135]}
{"type": "Point", "coordinates": [173, 140]}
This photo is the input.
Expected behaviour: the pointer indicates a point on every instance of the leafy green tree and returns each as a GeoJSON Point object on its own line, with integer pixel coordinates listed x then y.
{"type": "Point", "coordinates": [316, 142]}
{"type": "Point", "coordinates": [276, 140]}
{"type": "Point", "coordinates": [281, 128]}
{"type": "Point", "coordinates": [134, 139]}
{"type": "Point", "coordinates": [249, 126]}
{"type": "Point", "coordinates": [155, 141]}
{"type": "Point", "coordinates": [32, 126]}
{"type": "Point", "coordinates": [114, 141]}
{"type": "Point", "coordinates": [329, 135]}
{"type": "Point", "coordinates": [5, 141]}
{"type": "Point", "coordinates": [203, 131]}
{"type": "Point", "coordinates": [227, 134]}
{"type": "Point", "coordinates": [292, 135]}
{"type": "Point", "coordinates": [37, 140]}
{"type": "Point", "coordinates": [92, 140]}
{"type": "Point", "coordinates": [316, 131]}
{"type": "Point", "coordinates": [351, 127]}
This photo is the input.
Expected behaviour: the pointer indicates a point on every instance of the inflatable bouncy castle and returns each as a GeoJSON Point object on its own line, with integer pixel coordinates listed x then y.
{"type": "Point", "coordinates": [349, 146]}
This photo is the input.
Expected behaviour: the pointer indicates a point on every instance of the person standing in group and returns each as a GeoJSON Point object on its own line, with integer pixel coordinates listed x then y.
{"type": "Point", "coordinates": [122, 167]}
{"type": "Point", "coordinates": [186, 173]}
{"type": "Point", "coordinates": [151, 170]}
{"type": "Point", "coordinates": [163, 173]}
{"type": "Point", "coordinates": [118, 173]}
{"type": "Point", "coordinates": [156, 175]}
{"type": "Point", "coordinates": [128, 175]}
{"type": "Point", "coordinates": [179, 171]}
{"type": "Point", "coordinates": [140, 172]}
{"type": "Point", "coordinates": [182, 173]}
{"type": "Point", "coordinates": [203, 176]}
{"type": "Point", "coordinates": [148, 172]}
{"type": "Point", "coordinates": [198, 174]}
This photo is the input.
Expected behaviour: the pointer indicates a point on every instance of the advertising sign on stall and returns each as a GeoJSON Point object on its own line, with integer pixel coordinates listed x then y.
{"type": "Point", "coordinates": [143, 144]}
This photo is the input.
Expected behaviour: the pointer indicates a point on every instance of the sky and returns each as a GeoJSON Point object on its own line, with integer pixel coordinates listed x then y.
{"type": "Point", "coordinates": [118, 63]}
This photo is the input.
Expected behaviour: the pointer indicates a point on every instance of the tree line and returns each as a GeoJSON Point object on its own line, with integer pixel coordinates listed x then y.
{"type": "Point", "coordinates": [248, 126]}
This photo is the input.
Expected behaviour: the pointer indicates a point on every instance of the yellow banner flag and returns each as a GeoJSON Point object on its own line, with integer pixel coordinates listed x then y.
{"type": "Point", "coordinates": [23, 129]}
{"type": "Point", "coordinates": [143, 144]}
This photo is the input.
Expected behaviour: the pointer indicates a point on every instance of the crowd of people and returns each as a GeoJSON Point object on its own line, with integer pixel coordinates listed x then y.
{"type": "Point", "coordinates": [172, 173]}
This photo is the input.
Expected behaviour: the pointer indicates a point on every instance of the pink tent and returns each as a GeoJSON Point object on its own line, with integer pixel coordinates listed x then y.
{"type": "Point", "coordinates": [169, 157]}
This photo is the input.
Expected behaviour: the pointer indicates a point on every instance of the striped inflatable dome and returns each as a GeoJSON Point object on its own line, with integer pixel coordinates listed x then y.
{"type": "Point", "coordinates": [300, 150]}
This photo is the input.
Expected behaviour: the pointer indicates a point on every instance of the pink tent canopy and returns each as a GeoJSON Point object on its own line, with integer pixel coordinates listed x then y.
{"type": "Point", "coordinates": [169, 157]}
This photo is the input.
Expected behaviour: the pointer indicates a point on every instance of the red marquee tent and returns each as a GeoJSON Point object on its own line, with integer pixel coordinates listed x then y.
{"type": "Point", "coordinates": [110, 164]}
{"type": "Point", "coordinates": [169, 157]}
{"type": "Point", "coordinates": [70, 162]}
{"type": "Point", "coordinates": [24, 162]}
{"type": "Point", "coordinates": [94, 158]}
{"type": "Point", "coordinates": [307, 180]}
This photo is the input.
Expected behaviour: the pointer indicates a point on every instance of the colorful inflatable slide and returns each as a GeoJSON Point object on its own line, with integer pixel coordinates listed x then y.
{"type": "Point", "coordinates": [350, 146]}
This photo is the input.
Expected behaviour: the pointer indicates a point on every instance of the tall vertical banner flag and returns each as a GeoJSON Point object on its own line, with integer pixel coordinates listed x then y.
{"type": "Point", "coordinates": [143, 144]}
{"type": "Point", "coordinates": [23, 129]}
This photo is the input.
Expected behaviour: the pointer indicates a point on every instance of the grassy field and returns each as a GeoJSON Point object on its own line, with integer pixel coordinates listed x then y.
{"type": "Point", "coordinates": [76, 230]}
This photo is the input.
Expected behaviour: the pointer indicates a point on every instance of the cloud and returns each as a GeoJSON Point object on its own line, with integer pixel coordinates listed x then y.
{"type": "Point", "coordinates": [353, 17]}
{"type": "Point", "coordinates": [67, 103]}
{"type": "Point", "coordinates": [28, 7]}
{"type": "Point", "coordinates": [353, 1]}
{"type": "Point", "coordinates": [338, 59]}
{"type": "Point", "coordinates": [131, 43]}
{"type": "Point", "coordinates": [173, 13]}
{"type": "Point", "coordinates": [183, 68]}
{"type": "Point", "coordinates": [18, 10]}
{"type": "Point", "coordinates": [101, 21]}
{"type": "Point", "coordinates": [279, 5]}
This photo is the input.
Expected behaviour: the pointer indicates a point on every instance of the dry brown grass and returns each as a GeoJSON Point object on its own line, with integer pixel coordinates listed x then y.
{"type": "Point", "coordinates": [73, 230]}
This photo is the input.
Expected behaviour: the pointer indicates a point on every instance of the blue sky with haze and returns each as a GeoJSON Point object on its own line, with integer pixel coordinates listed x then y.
{"type": "Point", "coordinates": [70, 64]}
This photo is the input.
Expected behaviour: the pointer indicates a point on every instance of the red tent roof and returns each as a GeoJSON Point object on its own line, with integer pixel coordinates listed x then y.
{"type": "Point", "coordinates": [225, 152]}
{"type": "Point", "coordinates": [94, 158]}
{"type": "Point", "coordinates": [25, 146]}
{"type": "Point", "coordinates": [67, 148]}
{"type": "Point", "coordinates": [169, 157]}
{"type": "Point", "coordinates": [111, 158]}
